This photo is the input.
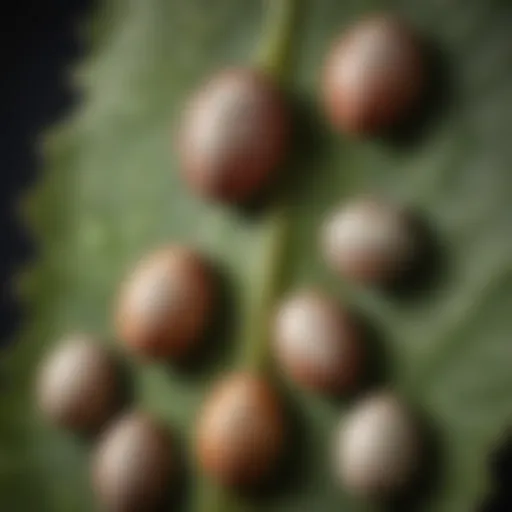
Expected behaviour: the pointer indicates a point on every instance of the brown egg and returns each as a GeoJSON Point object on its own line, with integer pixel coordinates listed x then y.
{"type": "Point", "coordinates": [134, 465]}
{"type": "Point", "coordinates": [369, 241]}
{"type": "Point", "coordinates": [240, 432]}
{"type": "Point", "coordinates": [234, 135]}
{"type": "Point", "coordinates": [317, 343]}
{"type": "Point", "coordinates": [378, 447]}
{"type": "Point", "coordinates": [374, 76]}
{"type": "Point", "coordinates": [78, 385]}
{"type": "Point", "coordinates": [166, 304]}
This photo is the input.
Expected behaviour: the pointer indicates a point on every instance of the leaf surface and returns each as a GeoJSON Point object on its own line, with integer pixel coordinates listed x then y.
{"type": "Point", "coordinates": [111, 191]}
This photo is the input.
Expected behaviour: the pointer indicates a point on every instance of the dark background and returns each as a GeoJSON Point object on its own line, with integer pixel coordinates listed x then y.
{"type": "Point", "coordinates": [38, 42]}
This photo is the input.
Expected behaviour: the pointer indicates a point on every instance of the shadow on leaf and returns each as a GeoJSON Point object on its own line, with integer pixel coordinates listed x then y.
{"type": "Point", "coordinates": [308, 136]}
{"type": "Point", "coordinates": [215, 341]}
{"type": "Point", "coordinates": [429, 475]}
{"type": "Point", "coordinates": [427, 269]}
{"type": "Point", "coordinates": [437, 98]}
{"type": "Point", "coordinates": [501, 471]}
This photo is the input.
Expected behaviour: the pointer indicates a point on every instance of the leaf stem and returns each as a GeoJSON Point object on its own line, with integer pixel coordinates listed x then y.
{"type": "Point", "coordinates": [273, 57]}
{"type": "Point", "coordinates": [274, 52]}
{"type": "Point", "coordinates": [266, 276]}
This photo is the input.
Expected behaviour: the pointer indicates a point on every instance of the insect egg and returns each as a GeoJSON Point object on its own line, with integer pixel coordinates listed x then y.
{"type": "Point", "coordinates": [78, 385]}
{"type": "Point", "coordinates": [166, 303]}
{"type": "Point", "coordinates": [377, 447]}
{"type": "Point", "coordinates": [374, 76]}
{"type": "Point", "coordinates": [369, 241]}
{"type": "Point", "coordinates": [317, 343]}
{"type": "Point", "coordinates": [240, 433]}
{"type": "Point", "coordinates": [233, 136]}
{"type": "Point", "coordinates": [133, 465]}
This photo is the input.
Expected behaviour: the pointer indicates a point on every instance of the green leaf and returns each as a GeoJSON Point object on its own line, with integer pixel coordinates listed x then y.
{"type": "Point", "coordinates": [111, 192]}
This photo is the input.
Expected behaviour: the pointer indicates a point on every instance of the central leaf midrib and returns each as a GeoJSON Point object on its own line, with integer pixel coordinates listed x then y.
{"type": "Point", "coordinates": [273, 56]}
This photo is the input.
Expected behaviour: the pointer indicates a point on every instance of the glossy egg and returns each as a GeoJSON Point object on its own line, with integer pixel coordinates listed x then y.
{"type": "Point", "coordinates": [317, 343]}
{"type": "Point", "coordinates": [78, 384]}
{"type": "Point", "coordinates": [234, 135]}
{"type": "Point", "coordinates": [240, 433]}
{"type": "Point", "coordinates": [369, 241]}
{"type": "Point", "coordinates": [165, 303]}
{"type": "Point", "coordinates": [377, 447]}
{"type": "Point", "coordinates": [134, 465]}
{"type": "Point", "coordinates": [374, 76]}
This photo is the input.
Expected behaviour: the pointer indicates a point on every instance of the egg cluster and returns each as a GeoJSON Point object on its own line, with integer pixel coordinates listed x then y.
{"type": "Point", "coordinates": [235, 134]}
